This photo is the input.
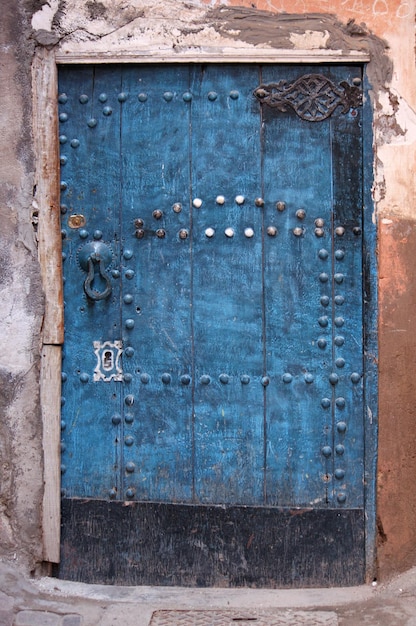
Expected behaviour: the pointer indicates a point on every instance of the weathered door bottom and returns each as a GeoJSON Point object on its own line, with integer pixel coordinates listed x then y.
{"type": "Point", "coordinates": [134, 543]}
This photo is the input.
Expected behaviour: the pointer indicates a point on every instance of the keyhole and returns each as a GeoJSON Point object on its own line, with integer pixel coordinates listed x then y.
{"type": "Point", "coordinates": [108, 363]}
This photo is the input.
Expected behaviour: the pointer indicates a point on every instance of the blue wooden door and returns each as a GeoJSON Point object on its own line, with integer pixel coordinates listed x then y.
{"type": "Point", "coordinates": [212, 376]}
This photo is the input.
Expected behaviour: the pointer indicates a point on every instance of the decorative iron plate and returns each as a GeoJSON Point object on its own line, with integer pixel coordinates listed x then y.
{"type": "Point", "coordinates": [237, 617]}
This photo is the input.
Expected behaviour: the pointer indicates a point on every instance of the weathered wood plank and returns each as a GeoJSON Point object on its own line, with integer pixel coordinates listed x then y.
{"type": "Point", "coordinates": [45, 133]}
{"type": "Point", "coordinates": [50, 395]}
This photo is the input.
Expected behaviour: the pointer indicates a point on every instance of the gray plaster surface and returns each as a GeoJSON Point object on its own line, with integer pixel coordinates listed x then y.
{"type": "Point", "coordinates": [51, 602]}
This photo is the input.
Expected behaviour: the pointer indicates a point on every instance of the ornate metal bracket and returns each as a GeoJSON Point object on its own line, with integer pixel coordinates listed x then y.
{"type": "Point", "coordinates": [312, 97]}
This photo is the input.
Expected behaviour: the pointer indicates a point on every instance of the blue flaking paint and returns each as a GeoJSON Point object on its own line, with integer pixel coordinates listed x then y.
{"type": "Point", "coordinates": [219, 310]}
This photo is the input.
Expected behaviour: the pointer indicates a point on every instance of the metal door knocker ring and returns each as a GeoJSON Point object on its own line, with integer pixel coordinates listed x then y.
{"type": "Point", "coordinates": [90, 256]}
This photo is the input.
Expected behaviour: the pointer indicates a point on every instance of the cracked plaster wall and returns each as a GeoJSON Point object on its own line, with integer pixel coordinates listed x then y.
{"type": "Point", "coordinates": [382, 28]}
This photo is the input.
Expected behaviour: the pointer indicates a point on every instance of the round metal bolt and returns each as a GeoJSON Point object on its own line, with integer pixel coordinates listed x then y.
{"type": "Point", "coordinates": [249, 232]}
{"type": "Point", "coordinates": [142, 97]}
{"type": "Point", "coordinates": [301, 214]}
{"type": "Point", "coordinates": [166, 378]}
{"type": "Point", "coordinates": [161, 233]}
{"type": "Point", "coordinates": [139, 233]}
{"type": "Point", "coordinates": [92, 122]}
{"type": "Point", "coordinates": [245, 379]}
{"type": "Point", "coordinates": [130, 492]}
{"type": "Point", "coordinates": [265, 381]}
{"type": "Point", "coordinates": [323, 254]}
{"type": "Point", "coordinates": [325, 300]}
{"type": "Point", "coordinates": [185, 379]}
{"type": "Point", "coordinates": [287, 377]}
{"type": "Point", "coordinates": [229, 232]}
{"type": "Point", "coordinates": [116, 419]}
{"type": "Point", "coordinates": [224, 379]}
{"type": "Point", "coordinates": [326, 451]}
{"type": "Point", "coordinates": [298, 232]}
{"type": "Point", "coordinates": [129, 400]}
{"type": "Point", "coordinates": [197, 202]}
{"type": "Point", "coordinates": [341, 497]}
{"type": "Point", "coordinates": [220, 199]}
{"type": "Point", "coordinates": [168, 96]}
{"type": "Point", "coordinates": [333, 378]}
{"type": "Point", "coordinates": [130, 467]}
{"type": "Point", "coordinates": [129, 324]}
{"type": "Point", "coordinates": [145, 378]}
{"type": "Point", "coordinates": [339, 340]}
{"type": "Point", "coordinates": [210, 232]}
{"type": "Point", "coordinates": [205, 380]}
{"type": "Point", "coordinates": [177, 207]}
{"type": "Point", "coordinates": [319, 222]}
{"type": "Point", "coordinates": [341, 427]}
{"type": "Point", "coordinates": [340, 402]}
{"type": "Point", "coordinates": [107, 111]}
{"type": "Point", "coordinates": [322, 343]}
{"type": "Point", "coordinates": [183, 233]}
{"type": "Point", "coordinates": [157, 214]}
{"type": "Point", "coordinates": [239, 199]}
{"type": "Point", "coordinates": [319, 232]}
{"type": "Point", "coordinates": [340, 230]}
{"type": "Point", "coordinates": [339, 449]}
{"type": "Point", "coordinates": [271, 231]}
{"type": "Point", "coordinates": [325, 403]}
{"type": "Point", "coordinates": [84, 377]}
{"type": "Point", "coordinates": [259, 202]}
{"type": "Point", "coordinates": [339, 473]}
{"type": "Point", "coordinates": [187, 96]}
{"type": "Point", "coordinates": [129, 274]}
{"type": "Point", "coordinates": [280, 205]}
{"type": "Point", "coordinates": [102, 97]}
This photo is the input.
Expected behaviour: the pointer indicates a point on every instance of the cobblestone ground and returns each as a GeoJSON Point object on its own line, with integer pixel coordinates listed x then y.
{"type": "Point", "coordinates": [51, 602]}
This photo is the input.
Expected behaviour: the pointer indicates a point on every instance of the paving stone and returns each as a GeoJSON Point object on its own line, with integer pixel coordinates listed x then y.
{"type": "Point", "coordinates": [276, 617]}
{"type": "Point", "coordinates": [71, 620]}
{"type": "Point", "coordinates": [37, 618]}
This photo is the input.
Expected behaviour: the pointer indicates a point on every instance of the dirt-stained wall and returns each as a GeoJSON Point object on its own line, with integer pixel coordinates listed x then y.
{"type": "Point", "coordinates": [382, 29]}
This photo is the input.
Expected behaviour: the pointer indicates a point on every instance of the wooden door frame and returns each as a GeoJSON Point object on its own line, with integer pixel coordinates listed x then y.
{"type": "Point", "coordinates": [47, 182]}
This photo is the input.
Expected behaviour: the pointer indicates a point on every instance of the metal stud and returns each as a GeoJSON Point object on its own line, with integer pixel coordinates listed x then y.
{"type": "Point", "coordinates": [122, 96]}
{"type": "Point", "coordinates": [341, 497]}
{"type": "Point", "coordinates": [187, 96]}
{"type": "Point", "coordinates": [102, 97]}
{"type": "Point", "coordinates": [112, 493]}
{"type": "Point", "coordinates": [220, 199]}
{"type": "Point", "coordinates": [161, 233]}
{"type": "Point", "coordinates": [287, 377]}
{"type": "Point", "coordinates": [340, 362]}
{"type": "Point", "coordinates": [177, 207]}
{"type": "Point", "coordinates": [265, 381]}
{"type": "Point", "coordinates": [271, 231]}
{"type": "Point", "coordinates": [339, 340]}
{"type": "Point", "coordinates": [319, 222]}
{"type": "Point", "coordinates": [129, 324]}
{"type": "Point", "coordinates": [205, 380]}
{"type": "Point", "coordinates": [326, 451]}
{"type": "Point", "coordinates": [185, 379]}
{"type": "Point", "coordinates": [115, 273]}
{"type": "Point", "coordinates": [259, 202]}
{"type": "Point", "coordinates": [356, 230]}
{"type": "Point", "coordinates": [339, 321]}
{"type": "Point", "coordinates": [63, 139]}
{"type": "Point", "coordinates": [229, 232]}
{"type": "Point", "coordinates": [92, 122]}
{"type": "Point", "coordinates": [280, 205]}
{"type": "Point", "coordinates": [84, 377]}
{"type": "Point", "coordinates": [183, 233]}
{"type": "Point", "coordinates": [333, 378]}
{"type": "Point", "coordinates": [145, 378]}
{"type": "Point", "coordinates": [325, 403]}
{"type": "Point", "coordinates": [309, 378]}
{"type": "Point", "coordinates": [116, 419]}
{"type": "Point", "coordinates": [323, 254]}
{"type": "Point", "coordinates": [234, 94]}
{"type": "Point", "coordinates": [323, 321]}
{"type": "Point", "coordinates": [166, 378]}
{"type": "Point", "coordinates": [355, 377]}
{"type": "Point", "coordinates": [130, 467]}
{"type": "Point", "coordinates": [322, 343]}
{"type": "Point", "coordinates": [129, 274]}
{"type": "Point", "coordinates": [339, 473]}
{"type": "Point", "coordinates": [224, 379]}
{"type": "Point", "coordinates": [168, 96]}
{"type": "Point", "coordinates": [240, 199]}
{"type": "Point", "coordinates": [319, 232]}
{"type": "Point", "coordinates": [249, 232]}
{"type": "Point", "coordinates": [301, 214]}
{"type": "Point", "coordinates": [129, 400]}
{"type": "Point", "coordinates": [63, 160]}
{"type": "Point", "coordinates": [130, 492]}
{"type": "Point", "coordinates": [341, 427]}
{"type": "Point", "coordinates": [127, 378]}
{"type": "Point", "coordinates": [63, 117]}
{"type": "Point", "coordinates": [298, 232]}
{"type": "Point", "coordinates": [97, 234]}
{"type": "Point", "coordinates": [339, 254]}
{"type": "Point", "coordinates": [339, 449]}
{"type": "Point", "coordinates": [323, 277]}
{"type": "Point", "coordinates": [157, 214]}
{"type": "Point", "coordinates": [212, 96]}
{"type": "Point", "coordinates": [142, 97]}
{"type": "Point", "coordinates": [107, 111]}
{"type": "Point", "coordinates": [139, 233]}
{"type": "Point", "coordinates": [197, 202]}
{"type": "Point", "coordinates": [339, 300]}
{"type": "Point", "coordinates": [340, 230]}
{"type": "Point", "coordinates": [210, 232]}
{"type": "Point", "coordinates": [62, 98]}
{"type": "Point", "coordinates": [244, 379]}
{"type": "Point", "coordinates": [325, 300]}
{"type": "Point", "coordinates": [128, 254]}
{"type": "Point", "coordinates": [83, 233]}
{"type": "Point", "coordinates": [340, 402]}
{"type": "Point", "coordinates": [128, 298]}
{"type": "Point", "coordinates": [339, 278]}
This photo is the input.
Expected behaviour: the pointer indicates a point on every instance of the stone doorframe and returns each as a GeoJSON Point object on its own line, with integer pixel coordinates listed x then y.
{"type": "Point", "coordinates": [46, 203]}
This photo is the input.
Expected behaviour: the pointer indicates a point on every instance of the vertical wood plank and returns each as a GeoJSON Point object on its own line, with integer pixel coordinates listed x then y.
{"type": "Point", "coordinates": [45, 133]}
{"type": "Point", "coordinates": [50, 395]}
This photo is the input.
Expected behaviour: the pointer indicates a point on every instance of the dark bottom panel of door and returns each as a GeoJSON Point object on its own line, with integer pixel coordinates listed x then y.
{"type": "Point", "coordinates": [138, 543]}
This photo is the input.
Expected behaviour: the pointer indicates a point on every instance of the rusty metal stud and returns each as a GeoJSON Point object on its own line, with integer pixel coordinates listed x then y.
{"type": "Point", "coordinates": [177, 207]}
{"type": "Point", "coordinates": [161, 233]}
{"type": "Point", "coordinates": [157, 214]}
{"type": "Point", "coordinates": [259, 202]}
{"type": "Point", "coordinates": [298, 232]}
{"type": "Point", "coordinates": [139, 233]}
{"type": "Point", "coordinates": [76, 221]}
{"type": "Point", "coordinates": [280, 205]}
{"type": "Point", "coordinates": [138, 223]}
{"type": "Point", "coordinates": [319, 222]}
{"type": "Point", "coordinates": [272, 231]}
{"type": "Point", "coordinates": [301, 214]}
{"type": "Point", "coordinates": [183, 233]}
{"type": "Point", "coordinates": [340, 230]}
{"type": "Point", "coordinates": [319, 232]}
